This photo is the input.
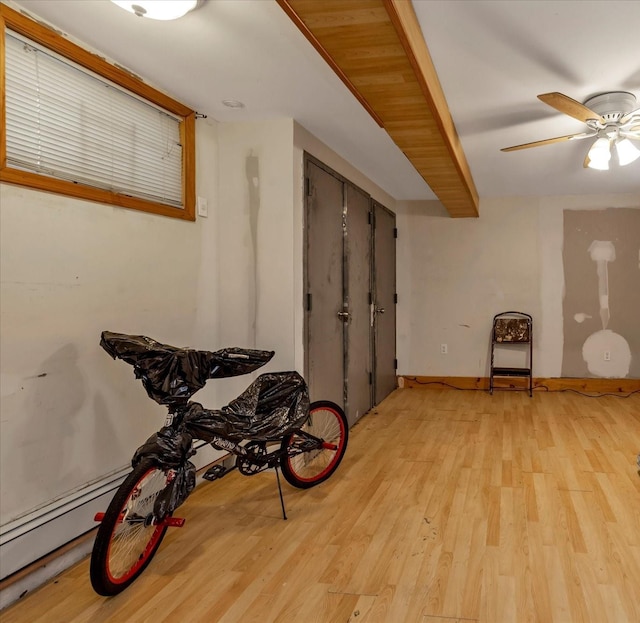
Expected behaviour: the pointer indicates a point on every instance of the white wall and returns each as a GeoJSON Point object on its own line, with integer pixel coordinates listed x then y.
{"type": "Point", "coordinates": [257, 256]}
{"type": "Point", "coordinates": [71, 269]}
{"type": "Point", "coordinates": [454, 275]}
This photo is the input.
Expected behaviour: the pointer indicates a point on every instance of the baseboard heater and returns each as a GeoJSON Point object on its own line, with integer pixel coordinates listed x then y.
{"type": "Point", "coordinates": [34, 535]}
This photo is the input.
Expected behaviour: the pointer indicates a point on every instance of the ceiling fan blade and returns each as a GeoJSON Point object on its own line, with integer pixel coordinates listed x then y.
{"type": "Point", "coordinates": [570, 107]}
{"type": "Point", "coordinates": [548, 141]}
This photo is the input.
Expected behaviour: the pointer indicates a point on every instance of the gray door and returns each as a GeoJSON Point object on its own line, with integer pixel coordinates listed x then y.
{"type": "Point", "coordinates": [384, 308]}
{"type": "Point", "coordinates": [338, 284]}
{"type": "Point", "coordinates": [325, 291]}
{"type": "Point", "coordinates": [358, 323]}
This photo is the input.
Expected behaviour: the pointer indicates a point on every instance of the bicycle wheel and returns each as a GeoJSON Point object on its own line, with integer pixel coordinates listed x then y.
{"type": "Point", "coordinates": [128, 537]}
{"type": "Point", "coordinates": [304, 468]}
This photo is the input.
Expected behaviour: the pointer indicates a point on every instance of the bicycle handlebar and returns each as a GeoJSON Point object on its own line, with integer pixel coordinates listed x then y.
{"type": "Point", "coordinates": [171, 375]}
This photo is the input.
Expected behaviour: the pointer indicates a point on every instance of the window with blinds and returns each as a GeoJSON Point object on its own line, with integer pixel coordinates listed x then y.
{"type": "Point", "coordinates": [67, 128]}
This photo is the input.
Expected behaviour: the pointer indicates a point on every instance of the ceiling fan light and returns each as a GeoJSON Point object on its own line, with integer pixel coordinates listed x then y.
{"type": "Point", "coordinates": [600, 165]}
{"type": "Point", "coordinates": [600, 154]}
{"type": "Point", "coordinates": [158, 9]}
{"type": "Point", "coordinates": [627, 152]}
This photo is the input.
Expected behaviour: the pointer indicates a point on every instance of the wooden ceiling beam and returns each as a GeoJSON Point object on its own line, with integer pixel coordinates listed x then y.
{"type": "Point", "coordinates": [377, 49]}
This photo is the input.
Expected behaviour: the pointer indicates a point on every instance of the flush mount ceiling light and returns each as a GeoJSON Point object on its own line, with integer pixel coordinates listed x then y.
{"type": "Point", "coordinates": [612, 118]}
{"type": "Point", "coordinates": [158, 9]}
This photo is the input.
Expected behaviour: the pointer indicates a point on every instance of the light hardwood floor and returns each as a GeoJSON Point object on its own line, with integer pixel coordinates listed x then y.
{"type": "Point", "coordinates": [449, 507]}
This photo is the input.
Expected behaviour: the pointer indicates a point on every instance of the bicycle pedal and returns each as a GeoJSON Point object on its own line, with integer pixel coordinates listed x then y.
{"type": "Point", "coordinates": [215, 472]}
{"type": "Point", "coordinates": [175, 522]}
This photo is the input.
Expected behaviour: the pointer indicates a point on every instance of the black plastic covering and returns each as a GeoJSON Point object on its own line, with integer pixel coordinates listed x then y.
{"type": "Point", "coordinates": [272, 406]}
{"type": "Point", "coordinates": [172, 375]}
{"type": "Point", "coordinates": [170, 448]}
{"type": "Point", "coordinates": [176, 492]}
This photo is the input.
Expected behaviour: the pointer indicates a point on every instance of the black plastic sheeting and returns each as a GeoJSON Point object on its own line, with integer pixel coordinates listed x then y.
{"type": "Point", "coordinates": [170, 449]}
{"type": "Point", "coordinates": [176, 492]}
{"type": "Point", "coordinates": [273, 405]}
{"type": "Point", "coordinates": [172, 375]}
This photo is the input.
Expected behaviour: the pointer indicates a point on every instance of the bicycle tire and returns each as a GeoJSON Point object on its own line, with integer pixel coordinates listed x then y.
{"type": "Point", "coordinates": [124, 547]}
{"type": "Point", "coordinates": [308, 469]}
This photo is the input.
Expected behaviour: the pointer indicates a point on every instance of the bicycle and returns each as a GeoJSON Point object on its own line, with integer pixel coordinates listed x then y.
{"type": "Point", "coordinates": [270, 425]}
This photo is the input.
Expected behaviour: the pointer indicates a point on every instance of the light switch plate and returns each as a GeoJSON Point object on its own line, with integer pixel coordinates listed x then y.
{"type": "Point", "coordinates": [203, 207]}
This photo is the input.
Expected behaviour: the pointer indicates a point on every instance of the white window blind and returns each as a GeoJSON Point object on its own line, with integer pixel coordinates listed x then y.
{"type": "Point", "coordinates": [66, 122]}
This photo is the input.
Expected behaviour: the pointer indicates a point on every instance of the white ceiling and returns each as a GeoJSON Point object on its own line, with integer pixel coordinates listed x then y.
{"type": "Point", "coordinates": [492, 57]}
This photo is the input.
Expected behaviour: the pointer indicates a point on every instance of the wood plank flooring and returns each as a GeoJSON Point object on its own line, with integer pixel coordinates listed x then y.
{"type": "Point", "coordinates": [449, 507]}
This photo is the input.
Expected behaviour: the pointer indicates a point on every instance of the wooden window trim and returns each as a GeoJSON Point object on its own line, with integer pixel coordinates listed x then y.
{"type": "Point", "coordinates": [47, 37]}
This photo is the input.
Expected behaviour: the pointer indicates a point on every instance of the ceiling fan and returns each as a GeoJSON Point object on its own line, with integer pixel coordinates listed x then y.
{"type": "Point", "coordinates": [612, 118]}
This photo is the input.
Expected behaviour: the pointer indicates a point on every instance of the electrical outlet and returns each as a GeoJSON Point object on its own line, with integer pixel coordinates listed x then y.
{"type": "Point", "coordinates": [607, 355]}
{"type": "Point", "coordinates": [443, 349]}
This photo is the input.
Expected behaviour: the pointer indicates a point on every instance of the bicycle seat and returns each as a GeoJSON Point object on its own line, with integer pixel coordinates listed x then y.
{"type": "Point", "coordinates": [170, 374]}
{"type": "Point", "coordinates": [275, 404]}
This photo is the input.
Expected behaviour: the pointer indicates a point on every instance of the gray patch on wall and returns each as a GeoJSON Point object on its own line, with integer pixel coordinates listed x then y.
{"type": "Point", "coordinates": [583, 306]}
{"type": "Point", "coordinates": [252, 171]}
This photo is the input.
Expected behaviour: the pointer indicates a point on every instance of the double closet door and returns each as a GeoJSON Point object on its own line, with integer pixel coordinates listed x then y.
{"type": "Point", "coordinates": [350, 290]}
